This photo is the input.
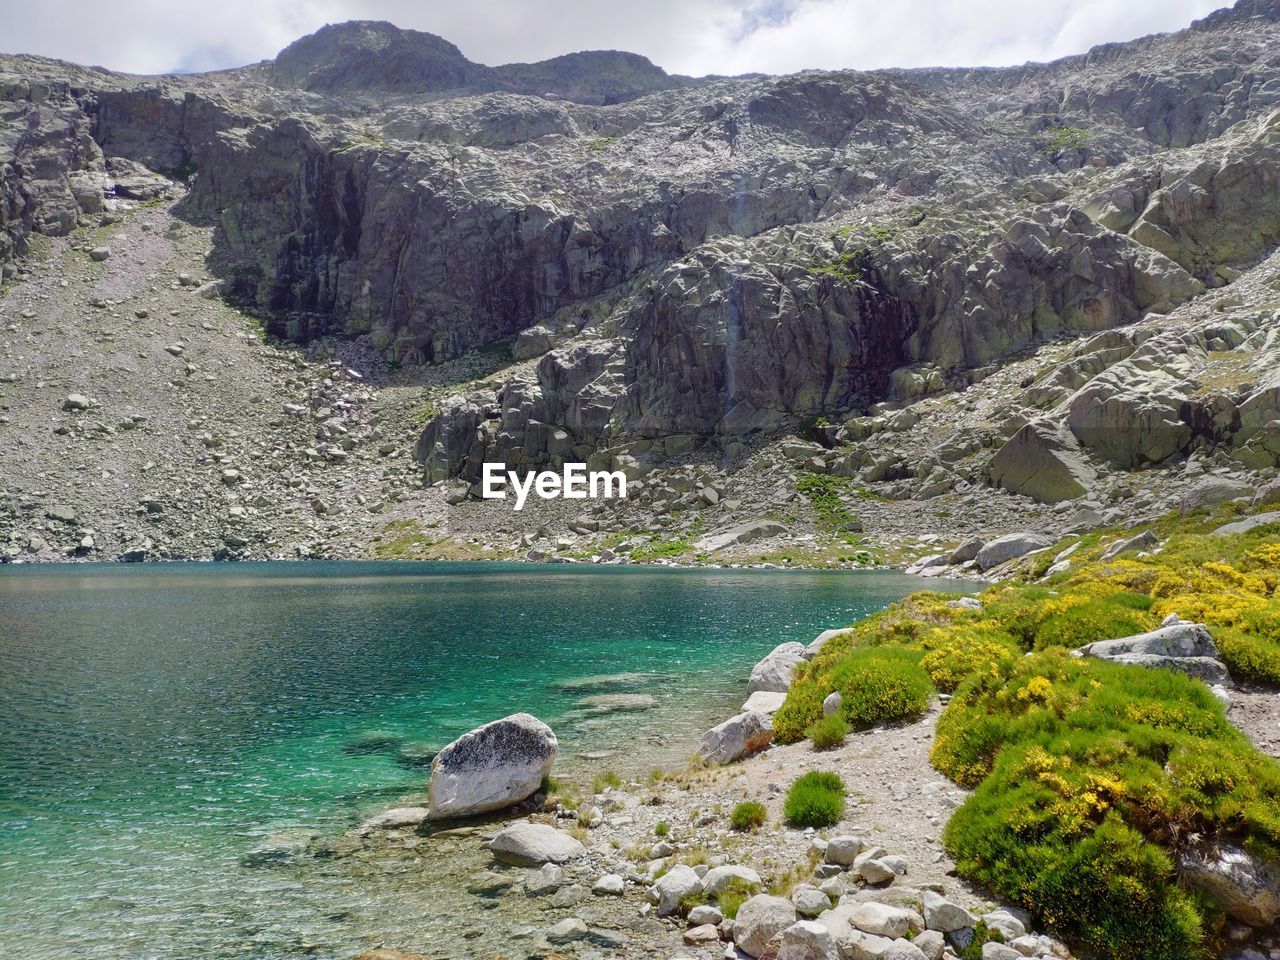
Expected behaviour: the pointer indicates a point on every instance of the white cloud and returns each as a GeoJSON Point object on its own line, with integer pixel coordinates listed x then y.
{"type": "Point", "coordinates": [684, 36]}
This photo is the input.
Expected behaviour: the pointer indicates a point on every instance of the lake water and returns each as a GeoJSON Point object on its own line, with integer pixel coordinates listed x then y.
{"type": "Point", "coordinates": [156, 722]}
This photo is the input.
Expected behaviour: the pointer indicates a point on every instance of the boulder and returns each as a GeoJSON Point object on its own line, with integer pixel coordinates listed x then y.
{"type": "Point", "coordinates": [741, 533]}
{"type": "Point", "coordinates": [737, 737]}
{"type": "Point", "coordinates": [774, 673]}
{"type": "Point", "coordinates": [931, 943]}
{"type": "Point", "coordinates": [967, 551]}
{"type": "Point", "coordinates": [809, 900]}
{"type": "Point", "coordinates": [1042, 461]}
{"type": "Point", "coordinates": [807, 940]}
{"type": "Point", "coordinates": [944, 916]}
{"type": "Point", "coordinates": [759, 920]}
{"type": "Point", "coordinates": [764, 701]}
{"type": "Point", "coordinates": [492, 767]}
{"type": "Point", "coordinates": [832, 703]}
{"type": "Point", "coordinates": [1010, 547]}
{"type": "Point", "coordinates": [1146, 540]}
{"type": "Point", "coordinates": [1244, 886]}
{"type": "Point", "coordinates": [1247, 524]}
{"type": "Point", "coordinates": [719, 879]}
{"type": "Point", "coordinates": [884, 920]}
{"type": "Point", "coordinates": [1187, 647]}
{"type": "Point", "coordinates": [529, 844]}
{"type": "Point", "coordinates": [843, 850]}
{"type": "Point", "coordinates": [672, 887]}
{"type": "Point", "coordinates": [1214, 490]}
{"type": "Point", "coordinates": [817, 643]}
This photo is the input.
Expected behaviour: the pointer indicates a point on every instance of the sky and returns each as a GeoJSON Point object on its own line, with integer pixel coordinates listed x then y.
{"type": "Point", "coordinates": [695, 37]}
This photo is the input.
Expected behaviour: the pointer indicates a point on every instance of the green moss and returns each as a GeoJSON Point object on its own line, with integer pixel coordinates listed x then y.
{"type": "Point", "coordinates": [1056, 140]}
{"type": "Point", "coordinates": [816, 799]}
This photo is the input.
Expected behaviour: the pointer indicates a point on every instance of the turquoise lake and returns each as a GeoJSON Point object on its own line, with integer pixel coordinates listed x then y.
{"type": "Point", "coordinates": [156, 722]}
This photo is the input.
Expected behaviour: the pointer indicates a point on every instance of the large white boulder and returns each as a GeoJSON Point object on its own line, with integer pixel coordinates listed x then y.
{"type": "Point", "coordinates": [807, 940]}
{"type": "Point", "coordinates": [737, 737]}
{"type": "Point", "coordinates": [759, 920]}
{"type": "Point", "coordinates": [672, 887]}
{"type": "Point", "coordinates": [492, 767]}
{"type": "Point", "coordinates": [1009, 547]}
{"type": "Point", "coordinates": [1187, 647]}
{"type": "Point", "coordinates": [529, 844]}
{"type": "Point", "coordinates": [774, 672]}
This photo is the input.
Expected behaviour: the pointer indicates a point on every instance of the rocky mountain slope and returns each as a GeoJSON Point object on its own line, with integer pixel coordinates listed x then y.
{"type": "Point", "coordinates": [819, 314]}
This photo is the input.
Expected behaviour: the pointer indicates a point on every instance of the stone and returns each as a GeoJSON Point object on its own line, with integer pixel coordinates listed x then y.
{"type": "Point", "coordinates": [809, 900]}
{"type": "Point", "coordinates": [764, 701]}
{"type": "Point", "coordinates": [737, 737]}
{"type": "Point", "coordinates": [999, 951]}
{"type": "Point", "coordinates": [76, 402]}
{"type": "Point", "coordinates": [1042, 461]}
{"type": "Point", "coordinates": [1007, 922]}
{"type": "Point", "coordinates": [832, 703]}
{"type": "Point", "coordinates": [1247, 524]}
{"type": "Point", "coordinates": [931, 943]}
{"type": "Point", "coordinates": [774, 672]}
{"type": "Point", "coordinates": [741, 533]}
{"type": "Point", "coordinates": [967, 551]}
{"type": "Point", "coordinates": [1214, 490]}
{"type": "Point", "coordinates": [1246, 887]}
{"type": "Point", "coordinates": [882, 919]}
{"type": "Point", "coordinates": [611, 884]}
{"type": "Point", "coordinates": [945, 916]}
{"type": "Point", "coordinates": [720, 879]}
{"type": "Point", "coordinates": [872, 869]}
{"type": "Point", "coordinates": [705, 913]}
{"type": "Point", "coordinates": [546, 879]}
{"type": "Point", "coordinates": [1010, 547]}
{"type": "Point", "coordinates": [672, 887]}
{"type": "Point", "coordinates": [843, 850]}
{"type": "Point", "coordinates": [1146, 540]}
{"type": "Point", "coordinates": [398, 818]}
{"type": "Point", "coordinates": [99, 254]}
{"type": "Point", "coordinates": [492, 767]}
{"type": "Point", "coordinates": [702, 935]}
{"type": "Point", "coordinates": [1186, 647]}
{"type": "Point", "coordinates": [815, 645]}
{"type": "Point", "coordinates": [807, 940]}
{"type": "Point", "coordinates": [759, 920]}
{"type": "Point", "coordinates": [528, 844]}
{"type": "Point", "coordinates": [568, 930]}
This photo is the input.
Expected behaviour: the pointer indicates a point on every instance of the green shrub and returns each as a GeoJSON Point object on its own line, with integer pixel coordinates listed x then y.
{"type": "Point", "coordinates": [734, 896]}
{"type": "Point", "coordinates": [661, 828]}
{"type": "Point", "coordinates": [881, 685]}
{"type": "Point", "coordinates": [827, 732]}
{"type": "Point", "coordinates": [982, 934]}
{"type": "Point", "coordinates": [1249, 655]}
{"type": "Point", "coordinates": [748, 815]}
{"type": "Point", "coordinates": [816, 799]}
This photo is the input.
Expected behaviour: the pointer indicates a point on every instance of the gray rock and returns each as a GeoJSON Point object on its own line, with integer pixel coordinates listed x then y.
{"type": "Point", "coordinates": [1010, 547]}
{"type": "Point", "coordinates": [844, 850]}
{"type": "Point", "coordinates": [1187, 647]}
{"type": "Point", "coordinates": [764, 701]}
{"type": "Point", "coordinates": [945, 916]}
{"type": "Point", "coordinates": [1146, 540]}
{"type": "Point", "coordinates": [611, 884]}
{"type": "Point", "coordinates": [737, 737]}
{"type": "Point", "coordinates": [1247, 524]}
{"type": "Point", "coordinates": [672, 887]}
{"type": "Point", "coordinates": [774, 673]}
{"type": "Point", "coordinates": [806, 940]}
{"type": "Point", "coordinates": [720, 879]}
{"type": "Point", "coordinates": [398, 818]}
{"type": "Point", "coordinates": [832, 703]}
{"type": "Point", "coordinates": [759, 920]}
{"type": "Point", "coordinates": [1246, 888]}
{"type": "Point", "coordinates": [809, 900]}
{"type": "Point", "coordinates": [492, 767]}
{"type": "Point", "coordinates": [1214, 490]}
{"type": "Point", "coordinates": [883, 920]}
{"type": "Point", "coordinates": [1042, 461]}
{"type": "Point", "coordinates": [705, 913]}
{"type": "Point", "coordinates": [742, 533]}
{"type": "Point", "coordinates": [529, 844]}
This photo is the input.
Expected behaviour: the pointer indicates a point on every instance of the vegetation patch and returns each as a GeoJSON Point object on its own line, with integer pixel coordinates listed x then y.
{"type": "Point", "coordinates": [748, 815]}
{"type": "Point", "coordinates": [816, 799]}
{"type": "Point", "coordinates": [1089, 777]}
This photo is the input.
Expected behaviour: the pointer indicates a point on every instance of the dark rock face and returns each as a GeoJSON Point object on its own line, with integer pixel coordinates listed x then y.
{"type": "Point", "coordinates": [696, 261]}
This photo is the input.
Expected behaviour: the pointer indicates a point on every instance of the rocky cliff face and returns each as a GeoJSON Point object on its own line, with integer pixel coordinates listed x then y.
{"type": "Point", "coordinates": [703, 263]}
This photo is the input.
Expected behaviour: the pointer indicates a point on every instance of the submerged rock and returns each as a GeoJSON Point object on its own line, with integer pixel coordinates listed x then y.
{"type": "Point", "coordinates": [527, 844]}
{"type": "Point", "coordinates": [492, 767]}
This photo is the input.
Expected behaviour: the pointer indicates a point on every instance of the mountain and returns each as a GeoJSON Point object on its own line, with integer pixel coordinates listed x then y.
{"type": "Point", "coordinates": [969, 299]}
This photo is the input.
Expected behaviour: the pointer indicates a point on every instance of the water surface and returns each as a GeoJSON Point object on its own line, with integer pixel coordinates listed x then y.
{"type": "Point", "coordinates": [157, 722]}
